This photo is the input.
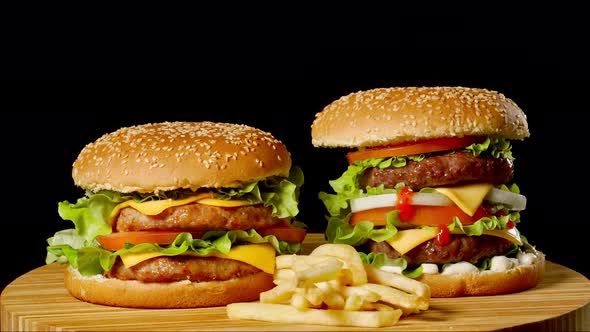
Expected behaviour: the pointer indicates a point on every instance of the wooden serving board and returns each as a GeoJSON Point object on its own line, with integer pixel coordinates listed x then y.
{"type": "Point", "coordinates": [38, 301]}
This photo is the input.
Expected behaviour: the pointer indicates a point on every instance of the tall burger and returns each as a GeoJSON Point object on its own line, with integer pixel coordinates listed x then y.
{"type": "Point", "coordinates": [179, 215]}
{"type": "Point", "coordinates": [429, 189]}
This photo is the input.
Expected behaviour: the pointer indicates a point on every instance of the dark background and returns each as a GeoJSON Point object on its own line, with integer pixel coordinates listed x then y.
{"type": "Point", "coordinates": [51, 121]}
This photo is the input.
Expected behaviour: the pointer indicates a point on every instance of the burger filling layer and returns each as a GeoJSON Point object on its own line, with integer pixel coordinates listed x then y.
{"type": "Point", "coordinates": [192, 217]}
{"type": "Point", "coordinates": [432, 207]}
{"type": "Point", "coordinates": [198, 217]}
{"type": "Point", "coordinates": [439, 170]}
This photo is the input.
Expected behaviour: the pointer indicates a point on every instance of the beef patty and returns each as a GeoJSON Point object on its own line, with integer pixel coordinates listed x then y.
{"type": "Point", "coordinates": [439, 170]}
{"type": "Point", "coordinates": [461, 248]}
{"type": "Point", "coordinates": [178, 268]}
{"type": "Point", "coordinates": [198, 217]}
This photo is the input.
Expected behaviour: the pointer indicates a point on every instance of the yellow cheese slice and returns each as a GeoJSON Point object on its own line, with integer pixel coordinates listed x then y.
{"type": "Point", "coordinates": [512, 235]}
{"type": "Point", "coordinates": [152, 208]}
{"type": "Point", "coordinates": [406, 240]}
{"type": "Point", "coordinates": [134, 259]}
{"type": "Point", "coordinates": [223, 202]}
{"type": "Point", "coordinates": [261, 256]}
{"type": "Point", "coordinates": [467, 197]}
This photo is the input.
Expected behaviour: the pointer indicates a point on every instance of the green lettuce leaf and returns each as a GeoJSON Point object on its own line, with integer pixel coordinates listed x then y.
{"type": "Point", "coordinates": [496, 147]}
{"type": "Point", "coordinates": [90, 215]}
{"type": "Point", "coordinates": [280, 193]}
{"type": "Point", "coordinates": [340, 231]}
{"type": "Point", "coordinates": [485, 223]}
{"type": "Point", "coordinates": [379, 259]}
{"type": "Point", "coordinates": [91, 260]}
{"type": "Point", "coordinates": [415, 273]}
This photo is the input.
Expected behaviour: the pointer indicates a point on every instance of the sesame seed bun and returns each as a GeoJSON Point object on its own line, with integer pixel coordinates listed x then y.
{"type": "Point", "coordinates": [514, 280]}
{"type": "Point", "coordinates": [404, 114]}
{"type": "Point", "coordinates": [179, 155]}
{"type": "Point", "coordinates": [182, 294]}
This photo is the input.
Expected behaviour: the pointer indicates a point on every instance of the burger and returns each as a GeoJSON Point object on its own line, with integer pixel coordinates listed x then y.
{"type": "Point", "coordinates": [179, 215]}
{"type": "Point", "coordinates": [429, 188]}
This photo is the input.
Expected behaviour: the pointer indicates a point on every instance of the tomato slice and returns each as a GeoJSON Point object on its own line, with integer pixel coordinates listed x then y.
{"type": "Point", "coordinates": [408, 149]}
{"type": "Point", "coordinates": [117, 240]}
{"type": "Point", "coordinates": [377, 216]}
{"type": "Point", "coordinates": [424, 216]}
{"type": "Point", "coordinates": [285, 232]}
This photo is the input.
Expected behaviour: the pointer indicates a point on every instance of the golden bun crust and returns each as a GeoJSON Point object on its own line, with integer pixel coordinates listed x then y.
{"type": "Point", "coordinates": [405, 114]}
{"type": "Point", "coordinates": [486, 283]}
{"type": "Point", "coordinates": [179, 155]}
{"type": "Point", "coordinates": [182, 294]}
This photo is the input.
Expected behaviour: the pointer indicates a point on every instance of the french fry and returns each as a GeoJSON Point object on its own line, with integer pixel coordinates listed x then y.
{"type": "Point", "coordinates": [282, 313]}
{"type": "Point", "coordinates": [284, 275]}
{"type": "Point", "coordinates": [324, 271]}
{"type": "Point", "coordinates": [332, 286]}
{"type": "Point", "coordinates": [285, 261]}
{"type": "Point", "coordinates": [314, 296]}
{"type": "Point", "coordinates": [334, 300]}
{"type": "Point", "coordinates": [280, 294]}
{"type": "Point", "coordinates": [377, 306]}
{"type": "Point", "coordinates": [299, 262]}
{"type": "Point", "coordinates": [353, 303]}
{"type": "Point", "coordinates": [348, 255]}
{"type": "Point", "coordinates": [299, 301]}
{"type": "Point", "coordinates": [396, 280]}
{"type": "Point", "coordinates": [408, 303]}
{"type": "Point", "coordinates": [367, 294]}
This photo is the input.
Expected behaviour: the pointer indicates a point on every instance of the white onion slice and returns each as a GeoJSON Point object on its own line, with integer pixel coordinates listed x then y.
{"type": "Point", "coordinates": [431, 199]}
{"type": "Point", "coordinates": [372, 202]}
{"type": "Point", "coordinates": [516, 202]}
{"type": "Point", "coordinates": [389, 200]}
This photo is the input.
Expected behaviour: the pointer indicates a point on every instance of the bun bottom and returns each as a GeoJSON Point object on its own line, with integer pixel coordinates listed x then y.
{"type": "Point", "coordinates": [486, 283]}
{"type": "Point", "coordinates": [181, 294]}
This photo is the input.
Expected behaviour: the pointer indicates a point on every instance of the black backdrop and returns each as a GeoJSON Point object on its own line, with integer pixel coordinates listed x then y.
{"type": "Point", "coordinates": [52, 121]}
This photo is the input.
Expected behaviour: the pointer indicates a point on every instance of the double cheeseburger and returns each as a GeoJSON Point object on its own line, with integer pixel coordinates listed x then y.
{"type": "Point", "coordinates": [428, 191]}
{"type": "Point", "coordinates": [179, 215]}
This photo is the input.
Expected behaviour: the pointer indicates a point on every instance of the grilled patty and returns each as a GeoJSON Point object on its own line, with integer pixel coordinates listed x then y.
{"type": "Point", "coordinates": [460, 248]}
{"type": "Point", "coordinates": [178, 268]}
{"type": "Point", "coordinates": [197, 217]}
{"type": "Point", "coordinates": [439, 170]}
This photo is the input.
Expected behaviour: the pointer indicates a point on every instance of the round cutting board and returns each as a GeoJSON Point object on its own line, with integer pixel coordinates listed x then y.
{"type": "Point", "coordinates": [38, 301]}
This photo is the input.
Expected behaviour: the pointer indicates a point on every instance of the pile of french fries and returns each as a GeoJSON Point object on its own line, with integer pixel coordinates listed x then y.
{"type": "Point", "coordinates": [332, 286]}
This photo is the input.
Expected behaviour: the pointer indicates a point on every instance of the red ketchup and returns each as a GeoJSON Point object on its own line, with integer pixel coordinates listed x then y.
{"type": "Point", "coordinates": [443, 237]}
{"type": "Point", "coordinates": [406, 210]}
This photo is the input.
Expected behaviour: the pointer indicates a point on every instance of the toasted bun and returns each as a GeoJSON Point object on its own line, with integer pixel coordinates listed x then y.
{"type": "Point", "coordinates": [486, 283]}
{"type": "Point", "coordinates": [181, 294]}
{"type": "Point", "coordinates": [397, 115]}
{"type": "Point", "coordinates": [175, 155]}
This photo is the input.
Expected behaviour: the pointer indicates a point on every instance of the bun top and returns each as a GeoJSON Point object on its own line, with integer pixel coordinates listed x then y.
{"type": "Point", "coordinates": [406, 114]}
{"type": "Point", "coordinates": [178, 155]}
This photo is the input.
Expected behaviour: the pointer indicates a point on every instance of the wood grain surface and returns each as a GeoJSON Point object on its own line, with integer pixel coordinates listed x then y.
{"type": "Point", "coordinates": [38, 301]}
